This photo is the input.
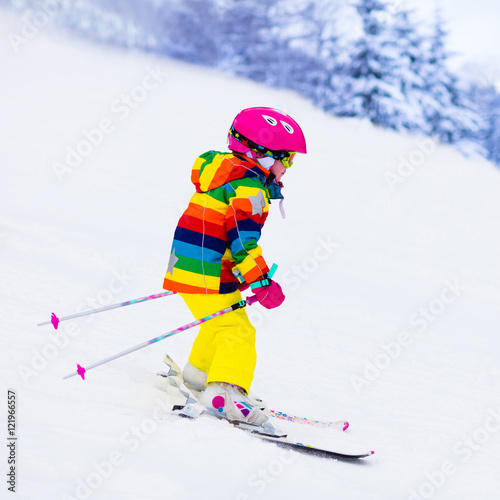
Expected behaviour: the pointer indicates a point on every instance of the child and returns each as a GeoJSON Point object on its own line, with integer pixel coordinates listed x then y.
{"type": "Point", "coordinates": [215, 255]}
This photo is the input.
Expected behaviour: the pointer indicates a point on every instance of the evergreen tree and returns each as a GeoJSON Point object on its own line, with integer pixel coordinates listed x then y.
{"type": "Point", "coordinates": [448, 112]}
{"type": "Point", "coordinates": [248, 47]}
{"type": "Point", "coordinates": [296, 38]}
{"type": "Point", "coordinates": [326, 74]}
{"type": "Point", "coordinates": [487, 101]}
{"type": "Point", "coordinates": [493, 119]}
{"type": "Point", "coordinates": [190, 31]}
{"type": "Point", "coordinates": [371, 85]}
{"type": "Point", "coordinates": [410, 43]}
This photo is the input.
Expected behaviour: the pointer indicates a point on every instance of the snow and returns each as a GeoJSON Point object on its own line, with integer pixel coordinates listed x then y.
{"type": "Point", "coordinates": [388, 257]}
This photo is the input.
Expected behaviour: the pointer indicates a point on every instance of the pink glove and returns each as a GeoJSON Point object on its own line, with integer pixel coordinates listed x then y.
{"type": "Point", "coordinates": [270, 296]}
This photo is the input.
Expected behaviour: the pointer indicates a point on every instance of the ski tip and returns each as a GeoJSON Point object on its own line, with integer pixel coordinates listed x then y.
{"type": "Point", "coordinates": [346, 426]}
{"type": "Point", "coordinates": [54, 320]}
{"type": "Point", "coordinates": [81, 371]}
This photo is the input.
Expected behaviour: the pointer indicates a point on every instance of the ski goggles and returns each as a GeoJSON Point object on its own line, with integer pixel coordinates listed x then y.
{"type": "Point", "coordinates": [286, 157]}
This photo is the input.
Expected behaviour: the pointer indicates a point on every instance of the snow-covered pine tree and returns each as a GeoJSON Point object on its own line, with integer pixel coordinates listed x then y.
{"type": "Point", "coordinates": [493, 138]}
{"type": "Point", "coordinates": [295, 33]}
{"type": "Point", "coordinates": [410, 43]}
{"type": "Point", "coordinates": [487, 101]}
{"type": "Point", "coordinates": [191, 31]}
{"type": "Point", "coordinates": [493, 119]}
{"type": "Point", "coordinates": [248, 47]}
{"type": "Point", "coordinates": [371, 83]}
{"type": "Point", "coordinates": [325, 79]}
{"type": "Point", "coordinates": [449, 114]}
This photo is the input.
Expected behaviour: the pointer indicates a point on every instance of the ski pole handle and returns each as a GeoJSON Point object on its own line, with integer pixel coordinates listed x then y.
{"type": "Point", "coordinates": [273, 269]}
{"type": "Point", "coordinates": [253, 298]}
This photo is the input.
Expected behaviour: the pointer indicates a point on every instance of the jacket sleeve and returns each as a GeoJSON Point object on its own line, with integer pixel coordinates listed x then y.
{"type": "Point", "coordinates": [245, 217]}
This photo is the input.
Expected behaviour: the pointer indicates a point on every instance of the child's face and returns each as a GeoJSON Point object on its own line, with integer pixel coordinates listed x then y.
{"type": "Point", "coordinates": [278, 169]}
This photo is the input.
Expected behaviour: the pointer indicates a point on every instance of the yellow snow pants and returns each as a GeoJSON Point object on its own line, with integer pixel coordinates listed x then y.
{"type": "Point", "coordinates": [225, 346]}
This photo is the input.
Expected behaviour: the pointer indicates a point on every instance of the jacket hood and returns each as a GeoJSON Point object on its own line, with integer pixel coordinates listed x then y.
{"type": "Point", "coordinates": [214, 169]}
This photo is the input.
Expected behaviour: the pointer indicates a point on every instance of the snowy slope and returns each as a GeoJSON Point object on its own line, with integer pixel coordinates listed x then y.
{"type": "Point", "coordinates": [392, 283]}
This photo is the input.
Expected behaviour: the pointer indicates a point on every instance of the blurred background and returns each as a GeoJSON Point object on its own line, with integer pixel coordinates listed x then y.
{"type": "Point", "coordinates": [429, 67]}
{"type": "Point", "coordinates": [389, 256]}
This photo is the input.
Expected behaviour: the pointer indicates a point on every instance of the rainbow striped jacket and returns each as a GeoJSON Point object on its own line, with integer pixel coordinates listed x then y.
{"type": "Point", "coordinates": [217, 236]}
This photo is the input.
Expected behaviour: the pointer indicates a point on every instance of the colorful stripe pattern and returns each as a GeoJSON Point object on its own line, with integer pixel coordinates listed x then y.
{"type": "Point", "coordinates": [221, 227]}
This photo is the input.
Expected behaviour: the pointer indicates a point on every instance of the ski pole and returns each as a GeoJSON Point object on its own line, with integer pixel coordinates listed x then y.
{"type": "Point", "coordinates": [55, 320]}
{"type": "Point", "coordinates": [80, 370]}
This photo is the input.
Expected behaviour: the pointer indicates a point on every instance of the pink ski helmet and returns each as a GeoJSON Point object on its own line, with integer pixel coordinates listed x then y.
{"type": "Point", "coordinates": [267, 132]}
